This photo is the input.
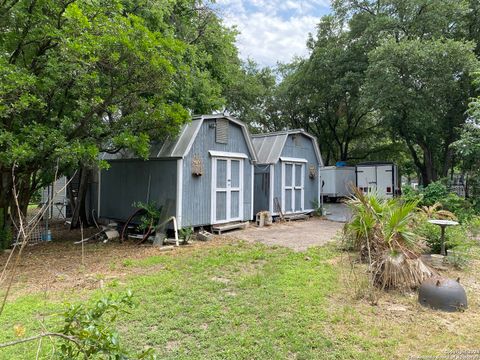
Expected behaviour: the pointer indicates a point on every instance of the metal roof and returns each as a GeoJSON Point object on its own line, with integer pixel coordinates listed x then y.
{"type": "Point", "coordinates": [180, 146]}
{"type": "Point", "coordinates": [269, 146]}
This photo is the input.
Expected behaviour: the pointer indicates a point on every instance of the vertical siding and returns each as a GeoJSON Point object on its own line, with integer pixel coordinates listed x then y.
{"type": "Point", "coordinates": [261, 188]}
{"type": "Point", "coordinates": [302, 148]}
{"type": "Point", "coordinates": [197, 190]}
{"type": "Point", "coordinates": [129, 181]}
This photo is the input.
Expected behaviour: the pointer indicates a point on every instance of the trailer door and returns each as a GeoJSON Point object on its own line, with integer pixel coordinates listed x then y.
{"type": "Point", "coordinates": [366, 178]}
{"type": "Point", "coordinates": [385, 180]}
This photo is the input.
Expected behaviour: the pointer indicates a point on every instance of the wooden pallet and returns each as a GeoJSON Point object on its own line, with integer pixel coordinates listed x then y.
{"type": "Point", "coordinates": [218, 229]}
{"type": "Point", "coordinates": [294, 217]}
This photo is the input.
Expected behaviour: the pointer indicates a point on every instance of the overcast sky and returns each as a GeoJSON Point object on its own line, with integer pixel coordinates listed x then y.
{"type": "Point", "coordinates": [272, 30]}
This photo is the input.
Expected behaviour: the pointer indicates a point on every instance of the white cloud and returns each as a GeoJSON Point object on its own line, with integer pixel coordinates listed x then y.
{"type": "Point", "coordinates": [272, 30]}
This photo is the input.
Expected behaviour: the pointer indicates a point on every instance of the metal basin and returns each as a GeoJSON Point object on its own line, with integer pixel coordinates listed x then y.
{"type": "Point", "coordinates": [442, 294]}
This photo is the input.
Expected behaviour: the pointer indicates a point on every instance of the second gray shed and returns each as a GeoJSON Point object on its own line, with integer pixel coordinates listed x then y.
{"type": "Point", "coordinates": [287, 172]}
{"type": "Point", "coordinates": [203, 177]}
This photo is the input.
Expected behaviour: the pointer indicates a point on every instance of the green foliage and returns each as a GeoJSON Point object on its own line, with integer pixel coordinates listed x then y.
{"type": "Point", "coordinates": [91, 326]}
{"type": "Point", "coordinates": [460, 239]}
{"type": "Point", "coordinates": [385, 80]}
{"type": "Point", "coordinates": [468, 150]}
{"type": "Point", "coordinates": [459, 245]}
{"type": "Point", "coordinates": [474, 227]}
{"type": "Point", "coordinates": [82, 77]}
{"type": "Point", "coordinates": [417, 82]}
{"type": "Point", "coordinates": [434, 193]}
{"type": "Point", "coordinates": [317, 207]}
{"type": "Point", "coordinates": [380, 224]}
{"type": "Point", "coordinates": [186, 234]}
{"type": "Point", "coordinates": [411, 194]}
{"type": "Point", "coordinates": [437, 193]}
{"type": "Point", "coordinates": [151, 214]}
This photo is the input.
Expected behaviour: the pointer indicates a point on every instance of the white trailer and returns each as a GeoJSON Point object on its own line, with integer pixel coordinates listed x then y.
{"type": "Point", "coordinates": [381, 178]}
{"type": "Point", "coordinates": [337, 181]}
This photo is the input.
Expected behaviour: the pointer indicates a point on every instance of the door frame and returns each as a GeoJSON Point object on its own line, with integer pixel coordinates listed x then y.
{"type": "Point", "coordinates": [293, 187]}
{"type": "Point", "coordinates": [216, 155]}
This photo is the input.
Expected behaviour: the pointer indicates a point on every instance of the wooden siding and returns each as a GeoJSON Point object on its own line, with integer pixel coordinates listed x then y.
{"type": "Point", "coordinates": [302, 148]}
{"type": "Point", "coordinates": [197, 190]}
{"type": "Point", "coordinates": [129, 181]}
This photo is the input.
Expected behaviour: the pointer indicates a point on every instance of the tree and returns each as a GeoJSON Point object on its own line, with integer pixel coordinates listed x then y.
{"type": "Point", "coordinates": [468, 151]}
{"type": "Point", "coordinates": [81, 77]}
{"type": "Point", "coordinates": [250, 94]}
{"type": "Point", "coordinates": [418, 77]}
{"type": "Point", "coordinates": [421, 89]}
{"type": "Point", "coordinates": [322, 94]}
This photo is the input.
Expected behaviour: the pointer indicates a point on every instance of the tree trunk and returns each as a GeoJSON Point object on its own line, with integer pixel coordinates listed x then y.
{"type": "Point", "coordinates": [5, 200]}
{"type": "Point", "coordinates": [80, 211]}
{"type": "Point", "coordinates": [430, 173]}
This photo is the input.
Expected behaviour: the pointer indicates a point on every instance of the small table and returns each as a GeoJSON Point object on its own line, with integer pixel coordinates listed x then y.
{"type": "Point", "coordinates": [443, 224]}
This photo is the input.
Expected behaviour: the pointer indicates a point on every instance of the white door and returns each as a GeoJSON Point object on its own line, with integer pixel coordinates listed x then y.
{"type": "Point", "coordinates": [293, 179]}
{"type": "Point", "coordinates": [385, 178]}
{"type": "Point", "coordinates": [367, 178]}
{"type": "Point", "coordinates": [227, 204]}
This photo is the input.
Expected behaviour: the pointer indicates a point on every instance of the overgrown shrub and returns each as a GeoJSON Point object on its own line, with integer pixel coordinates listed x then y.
{"type": "Point", "coordinates": [437, 193]}
{"type": "Point", "coordinates": [474, 227]}
{"type": "Point", "coordinates": [410, 194]}
{"type": "Point", "coordinates": [433, 193]}
{"type": "Point", "coordinates": [383, 231]}
{"type": "Point", "coordinates": [461, 207]}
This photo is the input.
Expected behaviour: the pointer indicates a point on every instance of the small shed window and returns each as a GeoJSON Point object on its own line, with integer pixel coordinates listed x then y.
{"type": "Point", "coordinates": [221, 135]}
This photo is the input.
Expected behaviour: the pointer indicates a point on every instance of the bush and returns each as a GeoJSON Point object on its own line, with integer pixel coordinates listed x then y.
{"type": "Point", "coordinates": [433, 193]}
{"type": "Point", "coordinates": [461, 207]}
{"type": "Point", "coordinates": [474, 227]}
{"type": "Point", "coordinates": [88, 331]}
{"type": "Point", "coordinates": [430, 233]}
{"type": "Point", "coordinates": [409, 194]}
{"type": "Point", "coordinates": [383, 231]}
{"type": "Point", "coordinates": [437, 193]}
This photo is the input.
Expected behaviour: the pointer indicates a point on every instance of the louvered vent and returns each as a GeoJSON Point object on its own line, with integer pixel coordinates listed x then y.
{"type": "Point", "coordinates": [222, 131]}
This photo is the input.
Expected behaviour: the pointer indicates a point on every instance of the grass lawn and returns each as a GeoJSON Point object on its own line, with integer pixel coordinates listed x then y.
{"type": "Point", "coordinates": [246, 301]}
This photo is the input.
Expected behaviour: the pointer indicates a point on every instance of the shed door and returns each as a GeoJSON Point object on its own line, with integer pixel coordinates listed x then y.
{"type": "Point", "coordinates": [293, 187]}
{"type": "Point", "coordinates": [228, 190]}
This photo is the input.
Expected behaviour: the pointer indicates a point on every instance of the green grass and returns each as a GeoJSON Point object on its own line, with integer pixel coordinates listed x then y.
{"type": "Point", "coordinates": [237, 301]}
{"type": "Point", "coordinates": [245, 301]}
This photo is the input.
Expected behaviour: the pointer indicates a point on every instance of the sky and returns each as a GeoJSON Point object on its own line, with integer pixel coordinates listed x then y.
{"type": "Point", "coordinates": [272, 30]}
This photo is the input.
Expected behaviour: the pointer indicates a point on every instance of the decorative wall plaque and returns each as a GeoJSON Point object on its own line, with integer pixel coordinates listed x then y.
{"type": "Point", "coordinates": [197, 165]}
{"type": "Point", "coordinates": [312, 171]}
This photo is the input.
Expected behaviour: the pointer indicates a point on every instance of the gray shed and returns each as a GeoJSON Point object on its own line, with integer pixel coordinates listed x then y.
{"type": "Point", "coordinates": [203, 177]}
{"type": "Point", "coordinates": [287, 172]}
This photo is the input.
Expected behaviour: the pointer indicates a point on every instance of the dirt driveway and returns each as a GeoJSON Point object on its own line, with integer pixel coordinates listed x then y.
{"type": "Point", "coordinates": [297, 235]}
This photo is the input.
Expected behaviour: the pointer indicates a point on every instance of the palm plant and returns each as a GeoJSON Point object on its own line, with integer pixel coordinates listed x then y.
{"type": "Point", "coordinates": [436, 212]}
{"type": "Point", "coordinates": [382, 230]}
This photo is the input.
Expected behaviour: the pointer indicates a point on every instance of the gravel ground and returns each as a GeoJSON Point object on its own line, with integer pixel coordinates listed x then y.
{"type": "Point", "coordinates": [337, 212]}
{"type": "Point", "coordinates": [296, 235]}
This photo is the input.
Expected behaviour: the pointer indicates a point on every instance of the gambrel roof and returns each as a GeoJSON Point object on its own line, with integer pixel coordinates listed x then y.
{"type": "Point", "coordinates": [269, 146]}
{"type": "Point", "coordinates": [180, 146]}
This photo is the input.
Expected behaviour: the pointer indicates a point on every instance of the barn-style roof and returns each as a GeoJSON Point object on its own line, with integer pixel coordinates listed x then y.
{"type": "Point", "coordinates": [180, 146]}
{"type": "Point", "coordinates": [269, 146]}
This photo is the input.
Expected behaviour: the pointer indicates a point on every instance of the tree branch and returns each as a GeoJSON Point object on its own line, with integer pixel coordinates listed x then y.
{"type": "Point", "coordinates": [40, 336]}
